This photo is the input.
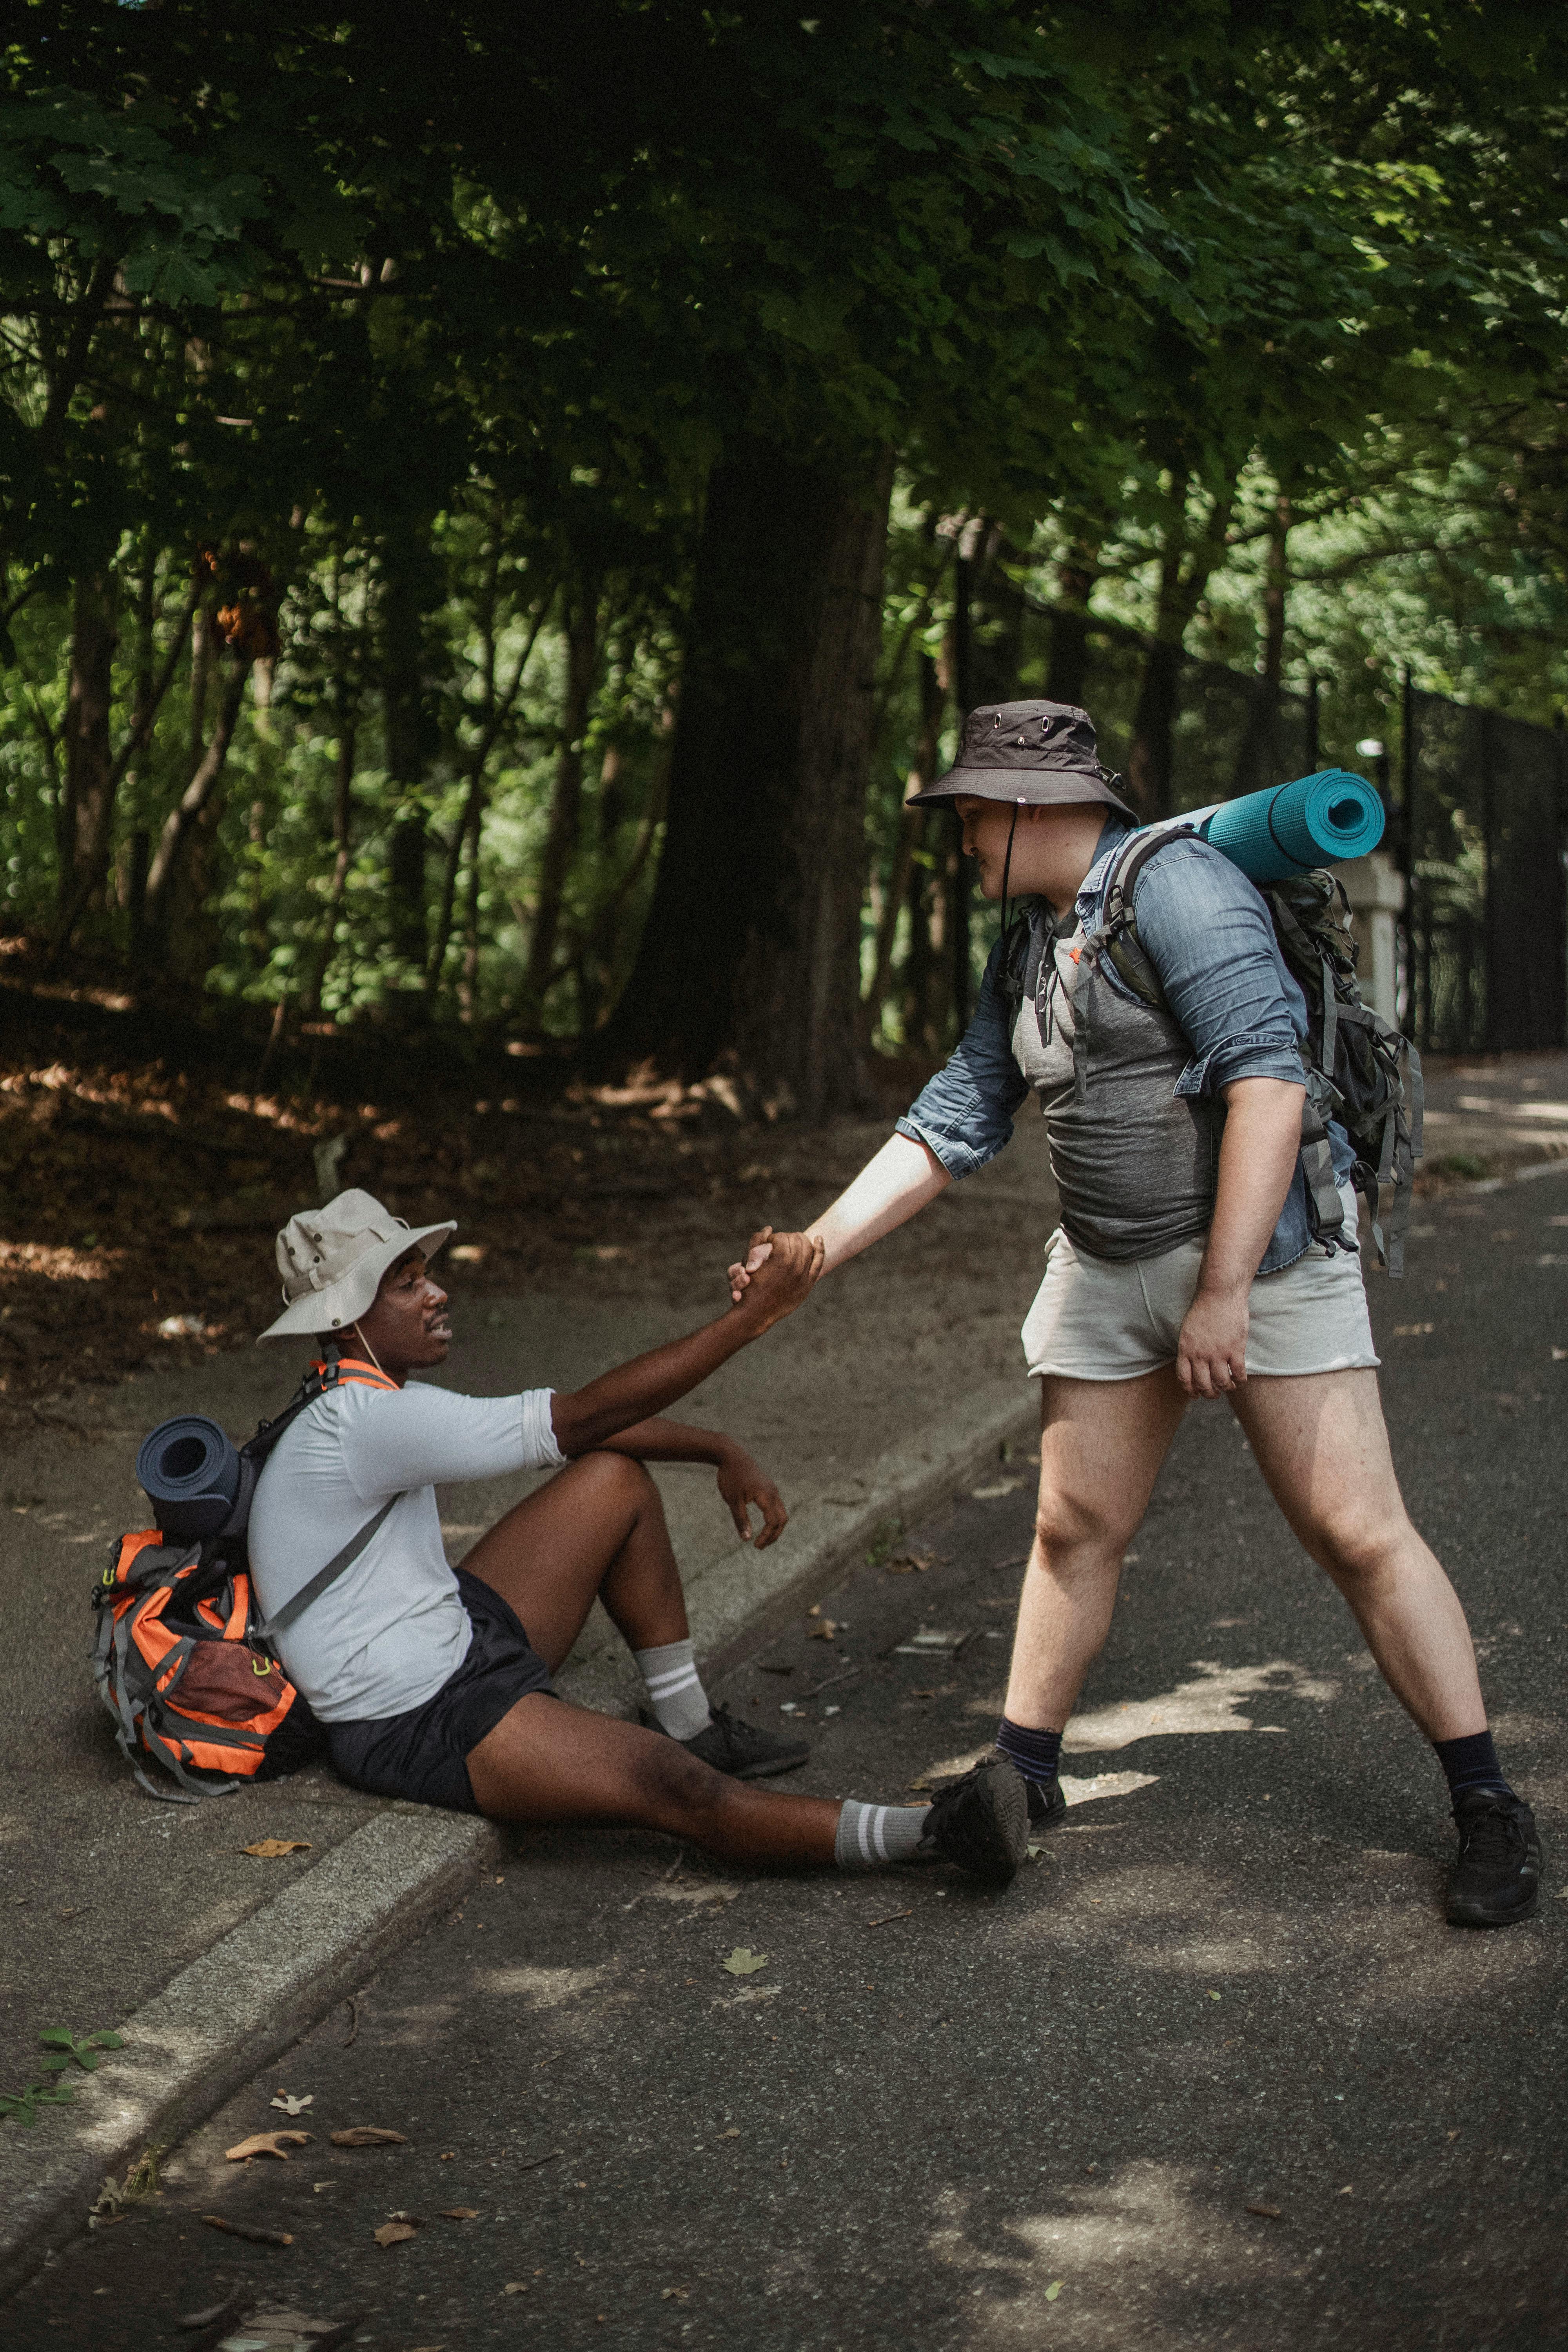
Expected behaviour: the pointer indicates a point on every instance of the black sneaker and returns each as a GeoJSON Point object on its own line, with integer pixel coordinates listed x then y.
{"type": "Point", "coordinates": [1047, 1804]}
{"type": "Point", "coordinates": [740, 1749]}
{"type": "Point", "coordinates": [980, 1822]}
{"type": "Point", "coordinates": [1497, 1875]}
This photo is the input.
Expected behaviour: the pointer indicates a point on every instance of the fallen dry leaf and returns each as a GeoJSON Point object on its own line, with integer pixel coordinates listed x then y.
{"type": "Point", "coordinates": [291, 2106]}
{"type": "Point", "coordinates": [268, 1849]}
{"type": "Point", "coordinates": [460, 2213]}
{"type": "Point", "coordinates": [393, 2234]}
{"type": "Point", "coordinates": [743, 1962]}
{"type": "Point", "coordinates": [368, 2136]}
{"type": "Point", "coordinates": [1265, 2212]}
{"type": "Point", "coordinates": [267, 2142]}
{"type": "Point", "coordinates": [997, 1487]}
{"type": "Point", "coordinates": [515, 2286]}
{"type": "Point", "coordinates": [733, 2132]}
{"type": "Point", "coordinates": [674, 2294]}
{"type": "Point", "coordinates": [1055, 2289]}
{"type": "Point", "coordinates": [910, 1563]}
{"type": "Point", "coordinates": [823, 1631]}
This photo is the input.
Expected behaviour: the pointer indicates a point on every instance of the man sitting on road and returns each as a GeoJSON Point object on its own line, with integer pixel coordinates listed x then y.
{"type": "Point", "coordinates": [425, 1680]}
{"type": "Point", "coordinates": [1184, 1266]}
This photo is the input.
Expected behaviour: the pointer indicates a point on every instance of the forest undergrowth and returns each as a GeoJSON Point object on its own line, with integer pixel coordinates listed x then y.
{"type": "Point", "coordinates": [146, 1167]}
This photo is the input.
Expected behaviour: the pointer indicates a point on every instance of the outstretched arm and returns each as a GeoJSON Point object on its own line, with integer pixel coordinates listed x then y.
{"type": "Point", "coordinates": [887, 1192]}
{"type": "Point", "coordinates": [615, 1402]}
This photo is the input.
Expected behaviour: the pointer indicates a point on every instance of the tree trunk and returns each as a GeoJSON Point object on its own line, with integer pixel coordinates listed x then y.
{"type": "Point", "coordinates": [173, 867]}
{"type": "Point", "coordinates": [1261, 757]}
{"type": "Point", "coordinates": [88, 809]}
{"type": "Point", "coordinates": [1185, 569]}
{"type": "Point", "coordinates": [599, 955]}
{"type": "Point", "coordinates": [496, 709]}
{"type": "Point", "coordinates": [1151, 762]}
{"type": "Point", "coordinates": [1069, 671]}
{"type": "Point", "coordinates": [566, 797]}
{"type": "Point", "coordinates": [343, 841]}
{"type": "Point", "coordinates": [997, 624]}
{"type": "Point", "coordinates": [148, 693]}
{"type": "Point", "coordinates": [752, 940]}
{"type": "Point", "coordinates": [410, 744]}
{"type": "Point", "coordinates": [911, 833]}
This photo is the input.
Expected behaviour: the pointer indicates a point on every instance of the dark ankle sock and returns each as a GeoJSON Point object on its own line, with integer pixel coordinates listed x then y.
{"type": "Point", "coordinates": [1468, 1763]}
{"type": "Point", "coordinates": [1035, 1753]}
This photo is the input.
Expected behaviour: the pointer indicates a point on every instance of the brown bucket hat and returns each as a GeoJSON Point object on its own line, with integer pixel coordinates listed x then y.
{"type": "Point", "coordinates": [1030, 752]}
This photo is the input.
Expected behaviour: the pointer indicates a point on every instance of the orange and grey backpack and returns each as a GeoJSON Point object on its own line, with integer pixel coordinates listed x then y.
{"type": "Point", "coordinates": [182, 1658]}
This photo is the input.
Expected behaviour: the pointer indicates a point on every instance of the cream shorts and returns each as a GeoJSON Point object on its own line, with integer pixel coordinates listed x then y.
{"type": "Point", "coordinates": [1095, 1319]}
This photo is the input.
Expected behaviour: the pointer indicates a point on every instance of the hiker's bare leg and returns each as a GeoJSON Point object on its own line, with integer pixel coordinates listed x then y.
{"type": "Point", "coordinates": [547, 1762]}
{"type": "Point", "coordinates": [597, 1530]}
{"type": "Point", "coordinates": [1321, 1444]}
{"type": "Point", "coordinates": [1101, 1444]}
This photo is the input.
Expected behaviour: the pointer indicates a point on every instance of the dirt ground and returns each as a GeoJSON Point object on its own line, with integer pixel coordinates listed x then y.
{"type": "Point", "coordinates": [143, 1171]}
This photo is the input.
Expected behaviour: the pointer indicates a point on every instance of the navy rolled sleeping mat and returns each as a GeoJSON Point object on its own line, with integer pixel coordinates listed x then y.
{"type": "Point", "coordinates": [189, 1471]}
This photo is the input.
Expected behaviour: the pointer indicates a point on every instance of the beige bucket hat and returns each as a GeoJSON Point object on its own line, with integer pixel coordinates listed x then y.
{"type": "Point", "coordinates": [332, 1261]}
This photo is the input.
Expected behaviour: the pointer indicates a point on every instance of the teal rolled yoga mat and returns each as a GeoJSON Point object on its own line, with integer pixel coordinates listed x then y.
{"type": "Point", "coordinates": [1293, 827]}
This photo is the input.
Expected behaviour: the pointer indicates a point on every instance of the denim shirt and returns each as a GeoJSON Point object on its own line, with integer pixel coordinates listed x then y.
{"type": "Point", "coordinates": [1209, 937]}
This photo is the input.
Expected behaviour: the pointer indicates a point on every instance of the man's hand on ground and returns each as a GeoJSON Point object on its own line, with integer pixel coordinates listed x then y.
{"type": "Point", "coordinates": [786, 1266]}
{"type": "Point", "coordinates": [1211, 1351]}
{"type": "Point", "coordinates": [741, 1483]}
{"type": "Point", "coordinates": [759, 1249]}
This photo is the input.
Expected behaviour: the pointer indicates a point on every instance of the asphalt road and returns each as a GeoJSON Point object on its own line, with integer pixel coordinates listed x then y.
{"type": "Point", "coordinates": [1265, 2098]}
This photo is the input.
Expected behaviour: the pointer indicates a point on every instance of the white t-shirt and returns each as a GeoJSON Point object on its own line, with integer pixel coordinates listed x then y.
{"type": "Point", "coordinates": [393, 1629]}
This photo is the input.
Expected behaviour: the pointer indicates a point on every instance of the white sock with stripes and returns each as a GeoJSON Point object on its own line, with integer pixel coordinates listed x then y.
{"type": "Point", "coordinates": [676, 1697]}
{"type": "Point", "coordinates": [870, 1836]}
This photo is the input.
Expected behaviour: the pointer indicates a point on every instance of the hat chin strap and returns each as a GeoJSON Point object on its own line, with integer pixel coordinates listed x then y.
{"type": "Point", "coordinates": [370, 1351]}
{"type": "Point", "coordinates": [1008, 864]}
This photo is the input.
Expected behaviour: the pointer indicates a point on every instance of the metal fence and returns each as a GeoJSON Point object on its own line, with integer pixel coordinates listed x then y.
{"type": "Point", "coordinates": [1484, 803]}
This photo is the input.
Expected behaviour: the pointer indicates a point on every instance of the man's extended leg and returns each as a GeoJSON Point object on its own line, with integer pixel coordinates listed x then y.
{"type": "Point", "coordinates": [545, 1761]}
{"type": "Point", "coordinates": [597, 1530]}
{"type": "Point", "coordinates": [1101, 1444]}
{"type": "Point", "coordinates": [1322, 1447]}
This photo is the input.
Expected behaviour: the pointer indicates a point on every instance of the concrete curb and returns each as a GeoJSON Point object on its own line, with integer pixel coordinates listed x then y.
{"type": "Point", "coordinates": [266, 1981]}
{"type": "Point", "coordinates": [244, 2000]}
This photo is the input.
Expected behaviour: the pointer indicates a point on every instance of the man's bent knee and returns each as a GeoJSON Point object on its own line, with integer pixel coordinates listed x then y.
{"type": "Point", "coordinates": [1360, 1551]}
{"type": "Point", "coordinates": [618, 1474]}
{"type": "Point", "coordinates": [1070, 1533]}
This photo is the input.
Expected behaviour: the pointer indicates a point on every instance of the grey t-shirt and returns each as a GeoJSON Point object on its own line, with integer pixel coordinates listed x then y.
{"type": "Point", "coordinates": [1135, 1163]}
{"type": "Point", "coordinates": [393, 1629]}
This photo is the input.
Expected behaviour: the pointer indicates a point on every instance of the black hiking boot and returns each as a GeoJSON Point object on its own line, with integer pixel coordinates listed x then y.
{"type": "Point", "coordinates": [1047, 1804]}
{"type": "Point", "coordinates": [740, 1749]}
{"type": "Point", "coordinates": [1497, 1873]}
{"type": "Point", "coordinates": [980, 1823]}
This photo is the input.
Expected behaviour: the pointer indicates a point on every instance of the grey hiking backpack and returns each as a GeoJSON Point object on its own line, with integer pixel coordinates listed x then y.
{"type": "Point", "coordinates": [1359, 1069]}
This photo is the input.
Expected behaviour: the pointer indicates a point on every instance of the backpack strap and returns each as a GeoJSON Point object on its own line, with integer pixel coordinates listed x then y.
{"type": "Point", "coordinates": [340, 1562]}
{"type": "Point", "coordinates": [1326, 1208]}
{"type": "Point", "coordinates": [1117, 938]}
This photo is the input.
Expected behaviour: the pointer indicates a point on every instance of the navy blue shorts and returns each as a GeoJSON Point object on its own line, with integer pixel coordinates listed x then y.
{"type": "Point", "coordinates": [423, 1755]}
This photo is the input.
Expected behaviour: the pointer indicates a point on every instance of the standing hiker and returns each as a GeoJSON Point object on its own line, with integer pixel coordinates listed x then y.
{"type": "Point", "coordinates": [1186, 1264]}
{"type": "Point", "coordinates": [436, 1686]}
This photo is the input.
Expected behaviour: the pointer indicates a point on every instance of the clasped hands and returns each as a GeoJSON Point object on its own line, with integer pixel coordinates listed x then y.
{"type": "Point", "coordinates": [776, 1274]}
